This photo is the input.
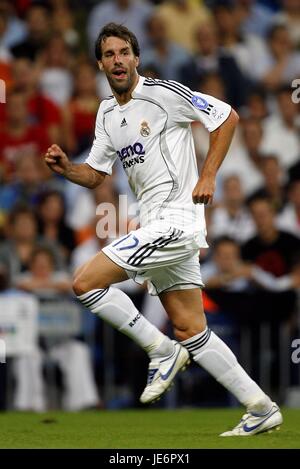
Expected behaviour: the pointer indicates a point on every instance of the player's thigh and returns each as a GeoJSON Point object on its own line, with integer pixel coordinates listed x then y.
{"type": "Point", "coordinates": [98, 272]}
{"type": "Point", "coordinates": [185, 310]}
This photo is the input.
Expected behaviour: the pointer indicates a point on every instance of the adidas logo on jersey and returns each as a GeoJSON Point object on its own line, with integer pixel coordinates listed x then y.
{"type": "Point", "coordinates": [123, 123]}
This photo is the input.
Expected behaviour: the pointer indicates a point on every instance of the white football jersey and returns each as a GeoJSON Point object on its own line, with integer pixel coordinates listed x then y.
{"type": "Point", "coordinates": [152, 137]}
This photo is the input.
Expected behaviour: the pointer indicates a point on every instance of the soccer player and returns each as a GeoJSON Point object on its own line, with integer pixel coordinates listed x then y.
{"type": "Point", "coordinates": [146, 124]}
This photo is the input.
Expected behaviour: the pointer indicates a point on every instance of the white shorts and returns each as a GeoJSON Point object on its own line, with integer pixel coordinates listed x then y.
{"type": "Point", "coordinates": [165, 257]}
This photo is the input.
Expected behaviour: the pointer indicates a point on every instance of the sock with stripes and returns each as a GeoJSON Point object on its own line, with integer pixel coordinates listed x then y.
{"type": "Point", "coordinates": [115, 307]}
{"type": "Point", "coordinates": [210, 352]}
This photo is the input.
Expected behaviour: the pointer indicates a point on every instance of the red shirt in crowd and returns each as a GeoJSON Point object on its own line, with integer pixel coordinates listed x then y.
{"type": "Point", "coordinates": [42, 111]}
{"type": "Point", "coordinates": [34, 141]}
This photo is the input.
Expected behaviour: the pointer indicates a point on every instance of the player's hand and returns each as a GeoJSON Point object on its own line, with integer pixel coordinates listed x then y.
{"type": "Point", "coordinates": [204, 191]}
{"type": "Point", "coordinates": [57, 160]}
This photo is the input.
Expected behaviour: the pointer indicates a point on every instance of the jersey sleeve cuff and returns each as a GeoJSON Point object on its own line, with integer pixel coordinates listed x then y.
{"type": "Point", "coordinates": [222, 120]}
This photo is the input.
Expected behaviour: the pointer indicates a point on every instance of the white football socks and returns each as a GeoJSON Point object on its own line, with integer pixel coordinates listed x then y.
{"type": "Point", "coordinates": [210, 352]}
{"type": "Point", "coordinates": [115, 307]}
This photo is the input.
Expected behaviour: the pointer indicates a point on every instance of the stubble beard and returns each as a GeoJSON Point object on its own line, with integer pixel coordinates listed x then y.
{"type": "Point", "coordinates": [122, 87]}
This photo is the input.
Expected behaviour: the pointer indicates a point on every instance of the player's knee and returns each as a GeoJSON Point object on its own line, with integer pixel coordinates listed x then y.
{"type": "Point", "coordinates": [85, 281]}
{"type": "Point", "coordinates": [80, 285]}
{"type": "Point", "coordinates": [186, 331]}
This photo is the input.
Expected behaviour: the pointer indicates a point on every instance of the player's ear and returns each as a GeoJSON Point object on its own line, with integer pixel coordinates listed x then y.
{"type": "Point", "coordinates": [100, 65]}
{"type": "Point", "coordinates": [137, 61]}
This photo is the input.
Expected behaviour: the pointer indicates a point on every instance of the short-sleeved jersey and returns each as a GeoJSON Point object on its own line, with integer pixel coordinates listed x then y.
{"type": "Point", "coordinates": [152, 137]}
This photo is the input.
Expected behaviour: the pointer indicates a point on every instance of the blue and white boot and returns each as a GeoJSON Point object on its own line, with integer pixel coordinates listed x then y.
{"type": "Point", "coordinates": [162, 372]}
{"type": "Point", "coordinates": [252, 423]}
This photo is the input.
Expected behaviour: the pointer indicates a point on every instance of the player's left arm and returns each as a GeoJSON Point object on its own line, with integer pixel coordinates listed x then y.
{"type": "Point", "coordinates": [220, 140]}
{"type": "Point", "coordinates": [186, 106]}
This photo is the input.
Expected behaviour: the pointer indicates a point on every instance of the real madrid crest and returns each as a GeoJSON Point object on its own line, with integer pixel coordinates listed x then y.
{"type": "Point", "coordinates": [145, 129]}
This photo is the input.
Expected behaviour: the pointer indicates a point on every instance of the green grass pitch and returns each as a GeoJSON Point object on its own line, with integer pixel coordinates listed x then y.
{"type": "Point", "coordinates": [156, 429]}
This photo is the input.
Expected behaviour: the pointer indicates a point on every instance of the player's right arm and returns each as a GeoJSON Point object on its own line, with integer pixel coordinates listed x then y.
{"type": "Point", "coordinates": [99, 162]}
{"type": "Point", "coordinates": [81, 174]}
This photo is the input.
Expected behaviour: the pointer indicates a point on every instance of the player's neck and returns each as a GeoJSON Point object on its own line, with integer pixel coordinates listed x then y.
{"type": "Point", "coordinates": [124, 98]}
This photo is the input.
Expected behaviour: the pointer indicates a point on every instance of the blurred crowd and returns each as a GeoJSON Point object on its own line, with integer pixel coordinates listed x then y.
{"type": "Point", "coordinates": [244, 52]}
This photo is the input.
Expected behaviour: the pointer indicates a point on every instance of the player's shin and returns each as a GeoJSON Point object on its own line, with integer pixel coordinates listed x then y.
{"type": "Point", "coordinates": [210, 352]}
{"type": "Point", "coordinates": [115, 307]}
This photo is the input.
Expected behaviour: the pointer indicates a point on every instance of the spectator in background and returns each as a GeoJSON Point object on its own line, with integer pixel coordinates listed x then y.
{"type": "Point", "coordinates": [255, 18]}
{"type": "Point", "coordinates": [80, 112]}
{"type": "Point", "coordinates": [213, 84]}
{"type": "Point", "coordinates": [39, 24]}
{"type": "Point", "coordinates": [24, 365]}
{"type": "Point", "coordinates": [63, 22]}
{"type": "Point", "coordinates": [52, 225]}
{"type": "Point", "coordinates": [167, 56]}
{"type": "Point", "coordinates": [257, 105]}
{"type": "Point", "coordinates": [247, 294]}
{"type": "Point", "coordinates": [182, 17]}
{"type": "Point", "coordinates": [235, 293]}
{"type": "Point", "coordinates": [271, 249]}
{"type": "Point", "coordinates": [22, 239]}
{"type": "Point", "coordinates": [80, 207]}
{"type": "Point", "coordinates": [56, 79]}
{"type": "Point", "coordinates": [41, 275]}
{"type": "Point", "coordinates": [26, 186]}
{"type": "Point", "coordinates": [280, 64]}
{"type": "Point", "coordinates": [227, 271]}
{"type": "Point", "coordinates": [209, 58]}
{"type": "Point", "coordinates": [5, 55]}
{"type": "Point", "coordinates": [19, 139]}
{"type": "Point", "coordinates": [15, 29]}
{"type": "Point", "coordinates": [244, 160]}
{"type": "Point", "coordinates": [131, 13]}
{"type": "Point", "coordinates": [290, 17]}
{"type": "Point", "coordinates": [42, 111]}
{"type": "Point", "coordinates": [245, 48]}
{"type": "Point", "coordinates": [273, 5]}
{"type": "Point", "coordinates": [289, 219]}
{"type": "Point", "coordinates": [232, 218]}
{"type": "Point", "coordinates": [72, 355]}
{"type": "Point", "coordinates": [281, 130]}
{"type": "Point", "coordinates": [150, 71]}
{"type": "Point", "coordinates": [273, 186]}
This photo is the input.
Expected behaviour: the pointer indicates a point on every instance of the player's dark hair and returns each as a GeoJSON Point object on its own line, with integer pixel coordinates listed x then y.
{"type": "Point", "coordinates": [116, 30]}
